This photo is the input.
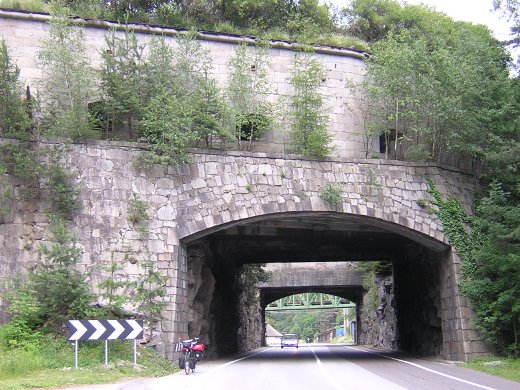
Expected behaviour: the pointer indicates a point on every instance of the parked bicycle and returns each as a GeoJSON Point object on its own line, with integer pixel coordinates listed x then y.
{"type": "Point", "coordinates": [192, 351]}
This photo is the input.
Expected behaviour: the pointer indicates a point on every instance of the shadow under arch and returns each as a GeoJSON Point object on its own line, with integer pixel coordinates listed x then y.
{"type": "Point", "coordinates": [220, 251]}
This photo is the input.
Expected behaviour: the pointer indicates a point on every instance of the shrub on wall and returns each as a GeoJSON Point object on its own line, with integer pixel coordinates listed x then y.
{"type": "Point", "coordinates": [14, 119]}
{"type": "Point", "coordinates": [122, 83]}
{"type": "Point", "coordinates": [309, 133]}
{"type": "Point", "coordinates": [69, 82]}
{"type": "Point", "coordinates": [184, 106]}
{"type": "Point", "coordinates": [247, 91]}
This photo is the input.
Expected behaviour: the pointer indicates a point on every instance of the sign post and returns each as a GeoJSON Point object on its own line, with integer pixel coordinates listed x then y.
{"type": "Point", "coordinates": [92, 330]}
{"type": "Point", "coordinates": [75, 354]}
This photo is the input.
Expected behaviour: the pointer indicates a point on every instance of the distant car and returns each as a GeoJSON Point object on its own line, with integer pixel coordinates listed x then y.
{"type": "Point", "coordinates": [289, 340]}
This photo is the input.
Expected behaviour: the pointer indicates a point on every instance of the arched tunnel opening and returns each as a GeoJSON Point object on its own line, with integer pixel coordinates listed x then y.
{"type": "Point", "coordinates": [310, 315]}
{"type": "Point", "coordinates": [232, 321]}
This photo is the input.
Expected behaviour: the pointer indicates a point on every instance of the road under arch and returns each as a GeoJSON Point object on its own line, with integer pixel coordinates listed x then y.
{"type": "Point", "coordinates": [227, 319]}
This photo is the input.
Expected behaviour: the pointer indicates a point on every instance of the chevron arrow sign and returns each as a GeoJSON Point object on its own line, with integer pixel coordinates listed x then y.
{"type": "Point", "coordinates": [105, 330]}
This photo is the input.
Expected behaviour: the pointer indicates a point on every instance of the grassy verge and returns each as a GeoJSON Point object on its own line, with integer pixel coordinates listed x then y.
{"type": "Point", "coordinates": [342, 340]}
{"type": "Point", "coordinates": [50, 364]}
{"type": "Point", "coordinates": [503, 367]}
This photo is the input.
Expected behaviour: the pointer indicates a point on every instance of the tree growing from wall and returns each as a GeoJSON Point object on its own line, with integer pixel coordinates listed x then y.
{"type": "Point", "coordinates": [184, 106]}
{"type": "Point", "coordinates": [111, 287]}
{"type": "Point", "coordinates": [14, 118]}
{"type": "Point", "coordinates": [123, 84]}
{"type": "Point", "coordinates": [200, 90]}
{"type": "Point", "coordinates": [69, 83]}
{"type": "Point", "coordinates": [309, 115]}
{"type": "Point", "coordinates": [248, 87]}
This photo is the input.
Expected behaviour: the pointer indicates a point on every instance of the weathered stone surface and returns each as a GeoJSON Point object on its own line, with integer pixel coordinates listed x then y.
{"type": "Point", "coordinates": [228, 187]}
{"type": "Point", "coordinates": [379, 324]}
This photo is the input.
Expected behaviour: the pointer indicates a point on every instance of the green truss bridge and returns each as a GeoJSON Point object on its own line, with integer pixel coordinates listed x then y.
{"type": "Point", "coordinates": [309, 301]}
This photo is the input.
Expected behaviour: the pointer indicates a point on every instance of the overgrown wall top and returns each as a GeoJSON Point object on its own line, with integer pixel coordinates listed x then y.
{"type": "Point", "coordinates": [23, 33]}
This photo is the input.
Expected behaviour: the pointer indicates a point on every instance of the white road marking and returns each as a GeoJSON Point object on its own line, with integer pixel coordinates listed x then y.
{"type": "Point", "coordinates": [327, 376]}
{"type": "Point", "coordinates": [358, 377]}
{"type": "Point", "coordinates": [426, 369]}
{"type": "Point", "coordinates": [210, 372]}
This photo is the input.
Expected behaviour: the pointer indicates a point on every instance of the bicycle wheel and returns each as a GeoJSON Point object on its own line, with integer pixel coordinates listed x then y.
{"type": "Point", "coordinates": [187, 357]}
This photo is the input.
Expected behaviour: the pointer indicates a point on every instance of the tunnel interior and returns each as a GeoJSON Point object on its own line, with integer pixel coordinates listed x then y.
{"type": "Point", "coordinates": [217, 305]}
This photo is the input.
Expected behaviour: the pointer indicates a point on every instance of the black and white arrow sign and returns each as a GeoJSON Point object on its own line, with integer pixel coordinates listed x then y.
{"type": "Point", "coordinates": [105, 329]}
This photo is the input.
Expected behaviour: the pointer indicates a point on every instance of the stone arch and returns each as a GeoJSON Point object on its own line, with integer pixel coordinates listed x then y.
{"type": "Point", "coordinates": [221, 193]}
{"type": "Point", "coordinates": [349, 229]}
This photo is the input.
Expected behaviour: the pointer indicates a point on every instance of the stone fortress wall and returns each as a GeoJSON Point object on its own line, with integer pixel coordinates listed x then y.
{"type": "Point", "coordinates": [222, 188]}
{"type": "Point", "coordinates": [23, 34]}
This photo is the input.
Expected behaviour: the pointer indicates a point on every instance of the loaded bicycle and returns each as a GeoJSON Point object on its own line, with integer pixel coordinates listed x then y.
{"type": "Point", "coordinates": [192, 351]}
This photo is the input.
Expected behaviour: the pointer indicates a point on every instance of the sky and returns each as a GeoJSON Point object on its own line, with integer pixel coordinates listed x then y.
{"type": "Point", "coordinates": [476, 11]}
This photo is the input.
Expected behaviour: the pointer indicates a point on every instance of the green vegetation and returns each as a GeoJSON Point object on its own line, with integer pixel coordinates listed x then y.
{"type": "Point", "coordinates": [69, 83]}
{"type": "Point", "coordinates": [122, 83]}
{"type": "Point", "coordinates": [307, 324]}
{"type": "Point", "coordinates": [111, 287]}
{"type": "Point", "coordinates": [14, 118]}
{"type": "Point", "coordinates": [309, 115]}
{"type": "Point", "coordinates": [247, 91]}
{"type": "Point", "coordinates": [332, 193]}
{"type": "Point", "coordinates": [48, 362]}
{"type": "Point", "coordinates": [305, 21]}
{"type": "Point", "coordinates": [137, 210]}
{"type": "Point", "coordinates": [150, 289]}
{"type": "Point", "coordinates": [251, 275]}
{"type": "Point", "coordinates": [489, 247]}
{"type": "Point", "coordinates": [503, 367]}
{"type": "Point", "coordinates": [371, 270]}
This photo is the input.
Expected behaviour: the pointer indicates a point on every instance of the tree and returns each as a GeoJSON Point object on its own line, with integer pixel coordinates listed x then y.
{"type": "Point", "coordinates": [247, 92]}
{"type": "Point", "coordinates": [492, 275]}
{"type": "Point", "coordinates": [60, 289]}
{"type": "Point", "coordinates": [371, 20]}
{"type": "Point", "coordinates": [296, 17]}
{"type": "Point", "coordinates": [183, 105]}
{"type": "Point", "coordinates": [440, 93]}
{"type": "Point", "coordinates": [195, 86]}
{"type": "Point", "coordinates": [123, 83]}
{"type": "Point", "coordinates": [14, 119]}
{"type": "Point", "coordinates": [167, 130]}
{"type": "Point", "coordinates": [309, 133]}
{"type": "Point", "coordinates": [111, 287]}
{"type": "Point", "coordinates": [69, 82]}
{"type": "Point", "coordinates": [150, 289]}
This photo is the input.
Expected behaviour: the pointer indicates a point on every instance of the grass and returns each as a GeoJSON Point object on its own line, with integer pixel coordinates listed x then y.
{"type": "Point", "coordinates": [49, 363]}
{"type": "Point", "coordinates": [508, 368]}
{"type": "Point", "coordinates": [342, 339]}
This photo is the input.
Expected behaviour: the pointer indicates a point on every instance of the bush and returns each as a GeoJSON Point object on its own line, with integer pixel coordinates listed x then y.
{"type": "Point", "coordinates": [332, 193]}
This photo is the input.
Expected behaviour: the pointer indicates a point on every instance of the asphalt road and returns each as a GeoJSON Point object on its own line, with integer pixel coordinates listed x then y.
{"type": "Point", "coordinates": [323, 367]}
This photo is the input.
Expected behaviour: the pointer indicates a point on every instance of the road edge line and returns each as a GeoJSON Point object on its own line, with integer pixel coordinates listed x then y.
{"type": "Point", "coordinates": [424, 368]}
